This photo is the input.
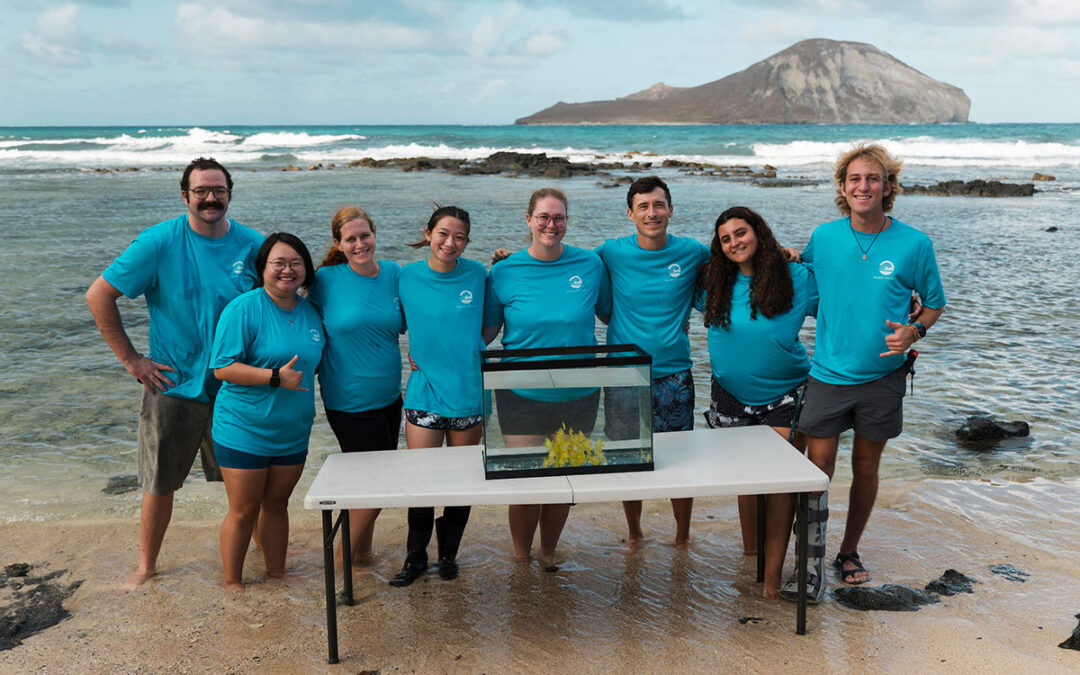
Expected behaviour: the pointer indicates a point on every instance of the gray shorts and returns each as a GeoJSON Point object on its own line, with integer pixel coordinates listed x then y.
{"type": "Point", "coordinates": [171, 431]}
{"type": "Point", "coordinates": [875, 409]}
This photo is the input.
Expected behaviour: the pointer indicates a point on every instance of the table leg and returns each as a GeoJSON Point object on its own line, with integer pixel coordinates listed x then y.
{"type": "Point", "coordinates": [346, 557]}
{"type": "Point", "coordinates": [760, 538]}
{"type": "Point", "coordinates": [801, 536]}
{"type": "Point", "coordinates": [331, 601]}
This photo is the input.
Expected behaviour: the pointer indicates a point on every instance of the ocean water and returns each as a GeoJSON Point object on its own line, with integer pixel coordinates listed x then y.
{"type": "Point", "coordinates": [1006, 345]}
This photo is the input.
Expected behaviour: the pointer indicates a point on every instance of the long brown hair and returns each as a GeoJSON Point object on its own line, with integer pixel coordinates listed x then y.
{"type": "Point", "coordinates": [334, 255]}
{"type": "Point", "coordinates": [771, 291]}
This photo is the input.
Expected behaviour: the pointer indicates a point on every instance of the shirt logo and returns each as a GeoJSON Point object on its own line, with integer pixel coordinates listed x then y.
{"type": "Point", "coordinates": [674, 270]}
{"type": "Point", "coordinates": [575, 282]}
{"type": "Point", "coordinates": [315, 336]}
{"type": "Point", "coordinates": [886, 268]}
{"type": "Point", "coordinates": [466, 297]}
{"type": "Point", "coordinates": [238, 267]}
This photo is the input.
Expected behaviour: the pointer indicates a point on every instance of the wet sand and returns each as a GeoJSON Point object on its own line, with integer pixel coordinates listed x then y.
{"type": "Point", "coordinates": [660, 609]}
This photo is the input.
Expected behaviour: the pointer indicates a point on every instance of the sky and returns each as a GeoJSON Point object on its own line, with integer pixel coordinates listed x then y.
{"type": "Point", "coordinates": [200, 62]}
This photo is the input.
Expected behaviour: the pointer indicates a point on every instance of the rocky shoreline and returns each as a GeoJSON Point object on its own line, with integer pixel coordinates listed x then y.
{"type": "Point", "coordinates": [540, 165]}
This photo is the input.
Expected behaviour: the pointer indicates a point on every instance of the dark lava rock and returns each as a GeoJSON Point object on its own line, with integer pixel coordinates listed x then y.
{"type": "Point", "coordinates": [972, 188]}
{"type": "Point", "coordinates": [1073, 642]}
{"type": "Point", "coordinates": [32, 611]}
{"type": "Point", "coordinates": [17, 570]}
{"type": "Point", "coordinates": [980, 429]}
{"type": "Point", "coordinates": [118, 485]}
{"type": "Point", "coordinates": [890, 597]}
{"type": "Point", "coordinates": [1052, 228]}
{"type": "Point", "coordinates": [1009, 572]}
{"type": "Point", "coordinates": [951, 583]}
{"type": "Point", "coordinates": [750, 619]}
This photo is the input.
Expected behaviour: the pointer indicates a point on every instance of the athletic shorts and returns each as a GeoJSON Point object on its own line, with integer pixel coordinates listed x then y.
{"type": "Point", "coordinates": [875, 409]}
{"type": "Point", "coordinates": [430, 420]}
{"type": "Point", "coordinates": [672, 406]}
{"type": "Point", "coordinates": [171, 431]}
{"type": "Point", "coordinates": [238, 459]}
{"type": "Point", "coordinates": [520, 416]}
{"type": "Point", "coordinates": [727, 411]}
{"type": "Point", "coordinates": [367, 430]}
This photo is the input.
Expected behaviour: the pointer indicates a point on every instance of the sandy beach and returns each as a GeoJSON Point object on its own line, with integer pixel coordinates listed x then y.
{"type": "Point", "coordinates": [659, 609]}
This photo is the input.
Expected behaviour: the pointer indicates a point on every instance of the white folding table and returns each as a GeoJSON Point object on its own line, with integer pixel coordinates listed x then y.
{"type": "Point", "coordinates": [700, 463]}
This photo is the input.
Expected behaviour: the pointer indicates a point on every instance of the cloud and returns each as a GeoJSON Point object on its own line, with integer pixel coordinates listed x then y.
{"type": "Point", "coordinates": [56, 38]}
{"type": "Point", "coordinates": [542, 44]}
{"type": "Point", "coordinates": [220, 29]}
{"type": "Point", "coordinates": [778, 27]}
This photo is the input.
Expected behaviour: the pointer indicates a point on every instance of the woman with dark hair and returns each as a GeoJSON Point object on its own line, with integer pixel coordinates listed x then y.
{"type": "Point", "coordinates": [443, 301]}
{"type": "Point", "coordinates": [546, 295]}
{"type": "Point", "coordinates": [360, 377]}
{"type": "Point", "coordinates": [754, 304]}
{"type": "Point", "coordinates": [267, 346]}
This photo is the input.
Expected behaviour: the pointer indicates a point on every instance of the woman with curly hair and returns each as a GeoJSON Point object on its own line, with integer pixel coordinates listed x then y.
{"type": "Point", "coordinates": [754, 303]}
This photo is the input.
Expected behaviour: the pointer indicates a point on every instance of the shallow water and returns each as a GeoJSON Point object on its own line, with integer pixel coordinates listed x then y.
{"type": "Point", "coordinates": [1006, 345]}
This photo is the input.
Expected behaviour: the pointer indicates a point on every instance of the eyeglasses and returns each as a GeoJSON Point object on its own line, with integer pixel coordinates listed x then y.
{"type": "Point", "coordinates": [204, 192]}
{"type": "Point", "coordinates": [280, 265]}
{"type": "Point", "coordinates": [543, 219]}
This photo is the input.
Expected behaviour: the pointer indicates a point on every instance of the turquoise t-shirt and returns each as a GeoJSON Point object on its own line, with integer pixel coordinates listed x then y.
{"type": "Point", "coordinates": [260, 419]}
{"type": "Point", "coordinates": [187, 279]}
{"type": "Point", "coordinates": [759, 360]}
{"type": "Point", "coordinates": [548, 304]}
{"type": "Point", "coordinates": [857, 296]}
{"type": "Point", "coordinates": [444, 312]}
{"type": "Point", "coordinates": [652, 292]}
{"type": "Point", "coordinates": [361, 369]}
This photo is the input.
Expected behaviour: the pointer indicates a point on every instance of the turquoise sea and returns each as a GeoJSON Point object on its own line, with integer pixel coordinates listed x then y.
{"type": "Point", "coordinates": [1006, 346]}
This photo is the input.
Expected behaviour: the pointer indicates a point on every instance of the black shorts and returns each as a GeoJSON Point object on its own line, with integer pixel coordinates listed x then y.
{"type": "Point", "coordinates": [875, 409]}
{"type": "Point", "coordinates": [727, 411]}
{"type": "Point", "coordinates": [520, 416]}
{"type": "Point", "coordinates": [367, 430]}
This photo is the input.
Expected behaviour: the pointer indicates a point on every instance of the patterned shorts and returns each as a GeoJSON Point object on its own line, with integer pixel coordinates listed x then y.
{"type": "Point", "coordinates": [727, 411]}
{"type": "Point", "coordinates": [430, 420]}
{"type": "Point", "coordinates": [672, 406]}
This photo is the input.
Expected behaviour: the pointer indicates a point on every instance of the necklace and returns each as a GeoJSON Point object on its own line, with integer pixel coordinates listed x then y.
{"type": "Point", "coordinates": [866, 251]}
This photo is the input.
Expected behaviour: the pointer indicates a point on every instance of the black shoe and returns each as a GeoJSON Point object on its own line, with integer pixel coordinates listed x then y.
{"type": "Point", "coordinates": [408, 574]}
{"type": "Point", "coordinates": [448, 569]}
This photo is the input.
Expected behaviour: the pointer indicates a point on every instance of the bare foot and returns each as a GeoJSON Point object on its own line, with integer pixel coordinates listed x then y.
{"type": "Point", "coordinates": [137, 578]}
{"type": "Point", "coordinates": [772, 591]}
{"type": "Point", "coordinates": [684, 544]}
{"type": "Point", "coordinates": [632, 545]}
{"type": "Point", "coordinates": [547, 561]}
{"type": "Point", "coordinates": [233, 586]}
{"type": "Point", "coordinates": [282, 575]}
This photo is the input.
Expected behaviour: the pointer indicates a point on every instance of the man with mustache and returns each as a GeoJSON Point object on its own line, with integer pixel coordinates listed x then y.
{"type": "Point", "coordinates": [188, 268]}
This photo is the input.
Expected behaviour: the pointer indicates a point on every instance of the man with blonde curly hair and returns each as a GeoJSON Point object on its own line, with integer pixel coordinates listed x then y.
{"type": "Point", "coordinates": [867, 265]}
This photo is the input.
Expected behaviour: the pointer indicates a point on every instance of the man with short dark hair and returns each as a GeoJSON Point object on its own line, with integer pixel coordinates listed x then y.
{"type": "Point", "coordinates": [188, 268]}
{"type": "Point", "coordinates": [653, 276]}
{"type": "Point", "coordinates": [866, 265]}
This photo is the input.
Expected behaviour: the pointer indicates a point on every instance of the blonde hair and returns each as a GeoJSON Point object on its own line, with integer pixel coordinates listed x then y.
{"type": "Point", "coordinates": [334, 255]}
{"type": "Point", "coordinates": [546, 192]}
{"type": "Point", "coordinates": [890, 170]}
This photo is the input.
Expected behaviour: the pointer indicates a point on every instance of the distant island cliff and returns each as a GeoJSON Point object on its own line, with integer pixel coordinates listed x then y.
{"type": "Point", "coordinates": [811, 82]}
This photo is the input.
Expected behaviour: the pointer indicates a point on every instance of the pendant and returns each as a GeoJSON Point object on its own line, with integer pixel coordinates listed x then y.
{"type": "Point", "coordinates": [864, 256]}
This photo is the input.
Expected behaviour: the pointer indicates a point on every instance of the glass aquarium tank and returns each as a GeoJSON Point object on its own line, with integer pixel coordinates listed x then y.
{"type": "Point", "coordinates": [567, 410]}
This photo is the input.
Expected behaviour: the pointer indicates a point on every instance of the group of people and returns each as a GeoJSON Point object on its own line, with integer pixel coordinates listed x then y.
{"type": "Point", "coordinates": [236, 345]}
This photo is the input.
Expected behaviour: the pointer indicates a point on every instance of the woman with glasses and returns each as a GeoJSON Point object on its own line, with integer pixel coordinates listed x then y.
{"type": "Point", "coordinates": [360, 377]}
{"type": "Point", "coordinates": [547, 295]}
{"type": "Point", "coordinates": [267, 346]}
{"type": "Point", "coordinates": [754, 303]}
{"type": "Point", "coordinates": [443, 301]}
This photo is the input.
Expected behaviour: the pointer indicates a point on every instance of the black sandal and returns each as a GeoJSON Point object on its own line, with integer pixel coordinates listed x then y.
{"type": "Point", "coordinates": [847, 576]}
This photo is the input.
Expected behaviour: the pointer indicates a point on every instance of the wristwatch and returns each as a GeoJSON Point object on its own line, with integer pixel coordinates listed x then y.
{"type": "Point", "coordinates": [920, 329]}
{"type": "Point", "coordinates": [275, 375]}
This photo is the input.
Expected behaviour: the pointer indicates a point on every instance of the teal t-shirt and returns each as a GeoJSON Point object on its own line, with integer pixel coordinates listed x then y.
{"type": "Point", "coordinates": [759, 360]}
{"type": "Point", "coordinates": [548, 304]}
{"type": "Point", "coordinates": [652, 292]}
{"type": "Point", "coordinates": [187, 279]}
{"type": "Point", "coordinates": [361, 369]}
{"type": "Point", "coordinates": [445, 313]}
{"type": "Point", "coordinates": [857, 295]}
{"type": "Point", "coordinates": [260, 419]}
